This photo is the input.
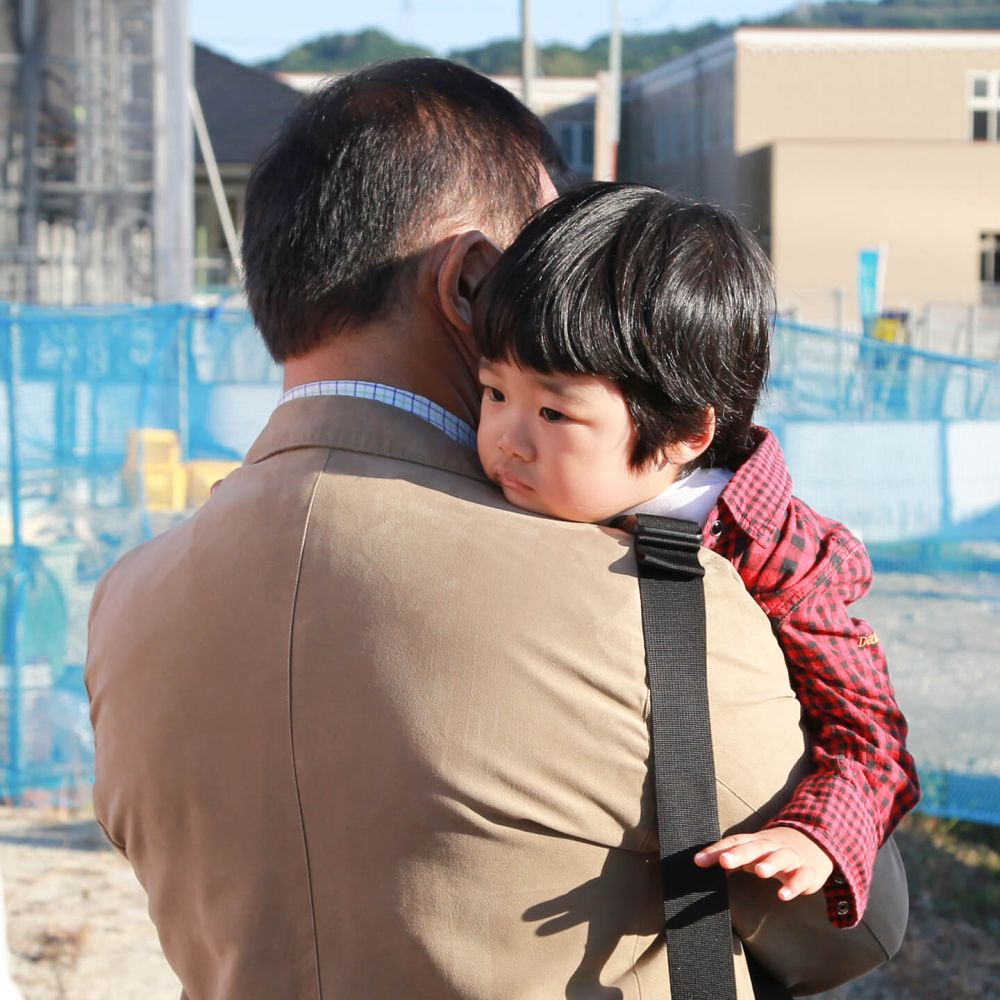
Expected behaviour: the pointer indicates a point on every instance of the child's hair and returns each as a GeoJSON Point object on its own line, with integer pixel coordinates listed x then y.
{"type": "Point", "coordinates": [671, 300]}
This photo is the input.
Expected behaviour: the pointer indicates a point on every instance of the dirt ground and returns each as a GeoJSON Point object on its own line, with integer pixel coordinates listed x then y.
{"type": "Point", "coordinates": [77, 923]}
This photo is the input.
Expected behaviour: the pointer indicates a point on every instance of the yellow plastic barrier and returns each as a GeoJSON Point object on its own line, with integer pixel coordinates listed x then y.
{"type": "Point", "coordinates": [152, 446]}
{"type": "Point", "coordinates": [153, 473]}
{"type": "Point", "coordinates": [201, 476]}
{"type": "Point", "coordinates": [890, 330]}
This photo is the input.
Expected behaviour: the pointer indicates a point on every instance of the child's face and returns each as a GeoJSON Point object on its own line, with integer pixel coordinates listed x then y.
{"type": "Point", "coordinates": [560, 444]}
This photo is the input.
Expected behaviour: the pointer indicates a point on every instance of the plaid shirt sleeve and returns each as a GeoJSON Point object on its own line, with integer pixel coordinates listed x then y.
{"type": "Point", "coordinates": [804, 571]}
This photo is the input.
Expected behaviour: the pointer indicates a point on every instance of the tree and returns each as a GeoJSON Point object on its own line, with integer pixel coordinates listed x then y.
{"type": "Point", "coordinates": [332, 53]}
{"type": "Point", "coordinates": [639, 52]}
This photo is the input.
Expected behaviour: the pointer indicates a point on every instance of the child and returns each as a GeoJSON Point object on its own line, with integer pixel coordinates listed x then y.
{"type": "Point", "coordinates": [625, 342]}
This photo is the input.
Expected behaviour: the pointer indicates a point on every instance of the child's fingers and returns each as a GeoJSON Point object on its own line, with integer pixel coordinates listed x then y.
{"type": "Point", "coordinates": [776, 863]}
{"type": "Point", "coordinates": [742, 854]}
{"type": "Point", "coordinates": [736, 850]}
{"type": "Point", "coordinates": [801, 881]}
{"type": "Point", "coordinates": [765, 856]}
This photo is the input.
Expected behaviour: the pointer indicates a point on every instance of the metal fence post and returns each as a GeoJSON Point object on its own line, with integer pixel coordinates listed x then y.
{"type": "Point", "coordinates": [186, 322]}
{"type": "Point", "coordinates": [17, 578]}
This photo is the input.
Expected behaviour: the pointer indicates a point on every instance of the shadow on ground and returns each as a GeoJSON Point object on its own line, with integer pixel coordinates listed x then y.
{"type": "Point", "coordinates": [84, 835]}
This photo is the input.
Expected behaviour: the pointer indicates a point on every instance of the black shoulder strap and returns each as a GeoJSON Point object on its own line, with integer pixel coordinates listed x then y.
{"type": "Point", "coordinates": [695, 901]}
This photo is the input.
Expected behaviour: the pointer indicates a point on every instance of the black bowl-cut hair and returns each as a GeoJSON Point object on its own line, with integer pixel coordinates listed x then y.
{"type": "Point", "coordinates": [672, 300]}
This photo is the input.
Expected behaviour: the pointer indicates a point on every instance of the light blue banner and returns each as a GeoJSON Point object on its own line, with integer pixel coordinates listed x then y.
{"type": "Point", "coordinates": [870, 273]}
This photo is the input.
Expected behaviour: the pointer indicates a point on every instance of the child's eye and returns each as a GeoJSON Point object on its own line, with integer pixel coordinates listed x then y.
{"type": "Point", "coordinates": [494, 394]}
{"type": "Point", "coordinates": [552, 416]}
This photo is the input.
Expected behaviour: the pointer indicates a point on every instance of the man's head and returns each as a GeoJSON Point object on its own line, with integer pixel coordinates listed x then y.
{"type": "Point", "coordinates": [669, 302]}
{"type": "Point", "coordinates": [369, 173]}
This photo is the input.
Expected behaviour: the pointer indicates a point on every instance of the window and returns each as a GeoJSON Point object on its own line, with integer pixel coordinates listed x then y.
{"type": "Point", "coordinates": [727, 120]}
{"type": "Point", "coordinates": [566, 138]}
{"type": "Point", "coordinates": [662, 140]}
{"type": "Point", "coordinates": [989, 259]}
{"type": "Point", "coordinates": [984, 107]}
{"type": "Point", "coordinates": [587, 146]}
{"type": "Point", "coordinates": [706, 133]}
{"type": "Point", "coordinates": [576, 142]}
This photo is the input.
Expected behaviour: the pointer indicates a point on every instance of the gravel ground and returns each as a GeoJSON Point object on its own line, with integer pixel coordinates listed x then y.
{"type": "Point", "coordinates": [77, 923]}
{"type": "Point", "coordinates": [941, 634]}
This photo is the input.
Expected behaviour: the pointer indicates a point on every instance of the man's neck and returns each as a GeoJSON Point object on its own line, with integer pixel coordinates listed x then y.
{"type": "Point", "coordinates": [403, 356]}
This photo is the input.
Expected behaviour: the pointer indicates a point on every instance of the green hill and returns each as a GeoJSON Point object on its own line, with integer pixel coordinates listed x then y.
{"type": "Point", "coordinates": [639, 52]}
{"type": "Point", "coordinates": [343, 52]}
{"type": "Point", "coordinates": [957, 14]}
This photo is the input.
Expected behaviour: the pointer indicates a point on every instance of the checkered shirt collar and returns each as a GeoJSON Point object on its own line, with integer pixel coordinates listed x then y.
{"type": "Point", "coordinates": [758, 494]}
{"type": "Point", "coordinates": [427, 410]}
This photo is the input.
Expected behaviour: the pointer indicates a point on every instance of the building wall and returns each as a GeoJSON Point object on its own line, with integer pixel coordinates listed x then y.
{"type": "Point", "coordinates": [567, 104]}
{"type": "Point", "coordinates": [928, 202]}
{"type": "Point", "coordinates": [551, 92]}
{"type": "Point", "coordinates": [857, 85]}
{"type": "Point", "coordinates": [677, 126]}
{"type": "Point", "coordinates": [825, 142]}
{"type": "Point", "coordinates": [574, 131]}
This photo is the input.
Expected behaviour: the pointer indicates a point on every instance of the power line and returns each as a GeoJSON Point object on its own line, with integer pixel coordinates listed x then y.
{"type": "Point", "coordinates": [656, 15]}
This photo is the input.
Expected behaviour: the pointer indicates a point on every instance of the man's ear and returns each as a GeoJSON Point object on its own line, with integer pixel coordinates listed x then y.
{"type": "Point", "coordinates": [467, 261]}
{"type": "Point", "coordinates": [690, 448]}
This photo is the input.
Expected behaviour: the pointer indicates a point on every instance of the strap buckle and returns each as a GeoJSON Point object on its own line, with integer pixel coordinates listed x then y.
{"type": "Point", "coordinates": [668, 544]}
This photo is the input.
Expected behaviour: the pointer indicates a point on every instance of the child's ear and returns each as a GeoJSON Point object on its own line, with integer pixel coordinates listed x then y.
{"type": "Point", "coordinates": [695, 445]}
{"type": "Point", "coordinates": [468, 260]}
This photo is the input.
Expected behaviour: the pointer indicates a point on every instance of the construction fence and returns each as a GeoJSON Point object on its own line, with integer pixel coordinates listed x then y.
{"type": "Point", "coordinates": [114, 423]}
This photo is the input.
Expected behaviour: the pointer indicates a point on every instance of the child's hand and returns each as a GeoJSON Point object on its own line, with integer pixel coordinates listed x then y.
{"type": "Point", "coordinates": [798, 863]}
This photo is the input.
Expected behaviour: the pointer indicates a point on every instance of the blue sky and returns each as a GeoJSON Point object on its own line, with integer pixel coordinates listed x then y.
{"type": "Point", "coordinates": [250, 32]}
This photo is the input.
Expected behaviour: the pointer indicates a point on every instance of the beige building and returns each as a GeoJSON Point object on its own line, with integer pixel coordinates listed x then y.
{"type": "Point", "coordinates": [550, 92]}
{"type": "Point", "coordinates": [831, 141]}
{"type": "Point", "coordinates": [568, 105]}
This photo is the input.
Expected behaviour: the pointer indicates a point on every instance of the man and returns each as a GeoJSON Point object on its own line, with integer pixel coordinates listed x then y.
{"type": "Point", "coordinates": [363, 729]}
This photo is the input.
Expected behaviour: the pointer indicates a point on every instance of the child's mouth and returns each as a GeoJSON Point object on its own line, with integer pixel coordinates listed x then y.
{"type": "Point", "coordinates": [508, 482]}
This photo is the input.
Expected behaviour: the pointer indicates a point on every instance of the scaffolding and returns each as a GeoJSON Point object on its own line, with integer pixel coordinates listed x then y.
{"type": "Point", "coordinates": [95, 152]}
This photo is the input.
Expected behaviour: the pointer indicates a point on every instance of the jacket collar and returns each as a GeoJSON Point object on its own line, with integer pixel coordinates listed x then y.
{"type": "Point", "coordinates": [365, 426]}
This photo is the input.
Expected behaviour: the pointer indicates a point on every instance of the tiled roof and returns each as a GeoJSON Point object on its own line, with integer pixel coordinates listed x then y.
{"type": "Point", "coordinates": [243, 107]}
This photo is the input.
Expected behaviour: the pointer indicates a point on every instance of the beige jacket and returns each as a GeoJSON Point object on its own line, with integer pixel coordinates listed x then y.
{"type": "Point", "coordinates": [364, 730]}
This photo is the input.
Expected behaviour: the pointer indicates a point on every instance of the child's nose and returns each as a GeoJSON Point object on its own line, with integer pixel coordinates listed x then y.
{"type": "Point", "coordinates": [516, 444]}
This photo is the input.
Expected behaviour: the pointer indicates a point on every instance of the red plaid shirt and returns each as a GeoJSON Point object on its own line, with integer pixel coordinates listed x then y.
{"type": "Point", "coordinates": [804, 569]}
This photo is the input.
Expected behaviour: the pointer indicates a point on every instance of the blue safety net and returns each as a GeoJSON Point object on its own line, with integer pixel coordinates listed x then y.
{"type": "Point", "coordinates": [114, 422]}
{"type": "Point", "coordinates": [897, 443]}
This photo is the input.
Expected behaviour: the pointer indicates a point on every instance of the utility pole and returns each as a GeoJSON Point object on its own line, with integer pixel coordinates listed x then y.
{"type": "Point", "coordinates": [173, 171]}
{"type": "Point", "coordinates": [30, 42]}
{"type": "Point", "coordinates": [615, 73]}
{"type": "Point", "coordinates": [527, 55]}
